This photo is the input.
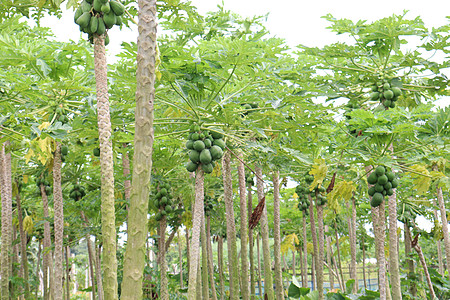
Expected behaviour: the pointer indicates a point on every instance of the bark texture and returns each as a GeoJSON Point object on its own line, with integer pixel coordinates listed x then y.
{"type": "Point", "coordinates": [164, 288]}
{"type": "Point", "coordinates": [107, 170]}
{"type": "Point", "coordinates": [352, 227]}
{"type": "Point", "coordinates": [394, 269]}
{"type": "Point", "coordinates": [380, 236]}
{"type": "Point", "coordinates": [250, 244]}
{"type": "Point", "coordinates": [210, 259]}
{"type": "Point", "coordinates": [6, 194]}
{"type": "Point", "coordinates": [268, 277]}
{"type": "Point", "coordinates": [321, 253]}
{"type": "Point", "coordinates": [220, 260]}
{"type": "Point", "coordinates": [277, 236]}
{"type": "Point", "coordinates": [59, 222]}
{"type": "Point", "coordinates": [409, 262]}
{"type": "Point", "coordinates": [305, 252]}
{"type": "Point", "coordinates": [205, 283]}
{"type": "Point", "coordinates": [194, 247]}
{"type": "Point", "coordinates": [47, 256]}
{"type": "Point", "coordinates": [329, 255]}
{"type": "Point", "coordinates": [425, 270]}
{"type": "Point", "coordinates": [233, 263]}
{"type": "Point", "coordinates": [244, 231]}
{"type": "Point", "coordinates": [315, 243]}
{"type": "Point", "coordinates": [91, 253]}
{"type": "Point", "coordinates": [23, 244]}
{"type": "Point", "coordinates": [134, 259]}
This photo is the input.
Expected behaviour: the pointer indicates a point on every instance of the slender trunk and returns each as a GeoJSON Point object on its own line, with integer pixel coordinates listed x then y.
{"type": "Point", "coordinates": [315, 243]}
{"type": "Point", "coordinates": [23, 244]}
{"type": "Point", "coordinates": [300, 252]}
{"type": "Point", "coordinates": [268, 278]}
{"type": "Point", "coordinates": [205, 284]}
{"type": "Point", "coordinates": [305, 252]}
{"type": "Point", "coordinates": [47, 244]}
{"type": "Point", "coordinates": [394, 269]}
{"type": "Point", "coordinates": [329, 255]}
{"type": "Point", "coordinates": [210, 258]}
{"type": "Point", "coordinates": [180, 258]}
{"type": "Point", "coordinates": [91, 254]}
{"type": "Point", "coordinates": [195, 243]}
{"type": "Point", "coordinates": [59, 222]}
{"type": "Point", "coordinates": [233, 261]}
{"type": "Point", "coordinates": [134, 259]}
{"type": "Point", "coordinates": [164, 287]}
{"type": "Point", "coordinates": [313, 272]}
{"type": "Point", "coordinates": [6, 195]}
{"type": "Point", "coordinates": [98, 272]}
{"type": "Point", "coordinates": [439, 248]}
{"type": "Point", "coordinates": [259, 266]}
{"type": "Point", "coordinates": [380, 235]}
{"type": "Point", "coordinates": [364, 264]}
{"type": "Point", "coordinates": [321, 245]}
{"type": "Point", "coordinates": [198, 288]}
{"type": "Point", "coordinates": [277, 236]}
{"type": "Point", "coordinates": [444, 223]}
{"type": "Point", "coordinates": [294, 273]}
{"type": "Point", "coordinates": [409, 262]}
{"type": "Point", "coordinates": [187, 250]}
{"type": "Point", "coordinates": [352, 227]}
{"type": "Point", "coordinates": [220, 260]}
{"type": "Point", "coordinates": [338, 250]}
{"type": "Point", "coordinates": [250, 238]}
{"type": "Point", "coordinates": [15, 289]}
{"type": "Point", "coordinates": [107, 170]}
{"type": "Point", "coordinates": [38, 263]}
{"type": "Point", "coordinates": [244, 231]}
{"type": "Point", "coordinates": [170, 238]}
{"type": "Point", "coordinates": [425, 270]}
{"type": "Point", "coordinates": [67, 273]}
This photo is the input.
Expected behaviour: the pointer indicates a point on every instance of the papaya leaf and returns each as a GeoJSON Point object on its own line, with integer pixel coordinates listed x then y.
{"type": "Point", "coordinates": [319, 171]}
{"type": "Point", "coordinates": [289, 243]}
{"type": "Point", "coordinates": [343, 190]}
{"type": "Point", "coordinates": [421, 182]}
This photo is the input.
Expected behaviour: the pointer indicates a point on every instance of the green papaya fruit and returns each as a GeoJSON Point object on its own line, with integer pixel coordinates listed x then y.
{"type": "Point", "coordinates": [85, 6]}
{"type": "Point", "coordinates": [382, 180]}
{"type": "Point", "coordinates": [118, 20]}
{"type": "Point", "coordinates": [97, 5]}
{"type": "Point", "coordinates": [89, 1]}
{"type": "Point", "coordinates": [106, 40]}
{"type": "Point", "coordinates": [77, 14]}
{"type": "Point", "coordinates": [64, 150]}
{"type": "Point", "coordinates": [199, 145]}
{"type": "Point", "coordinates": [163, 192]}
{"type": "Point", "coordinates": [374, 96]}
{"type": "Point", "coordinates": [373, 178]}
{"type": "Point", "coordinates": [220, 143]}
{"type": "Point", "coordinates": [386, 86]}
{"type": "Point", "coordinates": [208, 168]}
{"type": "Point", "coordinates": [216, 135]}
{"type": "Point", "coordinates": [376, 199]}
{"type": "Point", "coordinates": [195, 136]}
{"type": "Point", "coordinates": [216, 152]}
{"type": "Point", "coordinates": [118, 9]}
{"type": "Point", "coordinates": [109, 19]}
{"type": "Point", "coordinates": [93, 25]}
{"type": "Point", "coordinates": [380, 170]}
{"type": "Point", "coordinates": [190, 144]}
{"type": "Point", "coordinates": [371, 191]}
{"type": "Point", "coordinates": [96, 152]}
{"type": "Point", "coordinates": [379, 188]}
{"type": "Point", "coordinates": [84, 19]}
{"type": "Point", "coordinates": [208, 143]}
{"type": "Point", "coordinates": [388, 186]}
{"type": "Point", "coordinates": [390, 192]}
{"type": "Point", "coordinates": [205, 157]}
{"type": "Point", "coordinates": [397, 91]}
{"type": "Point", "coordinates": [374, 88]}
{"type": "Point", "coordinates": [388, 94]}
{"type": "Point", "coordinates": [191, 167]}
{"type": "Point", "coordinates": [387, 103]}
{"type": "Point", "coordinates": [106, 8]}
{"type": "Point", "coordinates": [394, 183]}
{"type": "Point", "coordinates": [101, 26]}
{"type": "Point", "coordinates": [390, 175]}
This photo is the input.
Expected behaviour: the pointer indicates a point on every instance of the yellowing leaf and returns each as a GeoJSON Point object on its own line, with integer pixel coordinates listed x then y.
{"type": "Point", "coordinates": [319, 171]}
{"type": "Point", "coordinates": [44, 125]}
{"type": "Point", "coordinates": [29, 155]}
{"type": "Point", "coordinates": [289, 243]}
{"type": "Point", "coordinates": [295, 196]}
{"type": "Point", "coordinates": [343, 190]}
{"type": "Point", "coordinates": [421, 178]}
{"type": "Point", "coordinates": [25, 179]}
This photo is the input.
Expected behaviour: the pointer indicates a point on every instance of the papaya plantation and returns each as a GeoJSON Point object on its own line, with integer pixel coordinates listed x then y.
{"type": "Point", "coordinates": [211, 159]}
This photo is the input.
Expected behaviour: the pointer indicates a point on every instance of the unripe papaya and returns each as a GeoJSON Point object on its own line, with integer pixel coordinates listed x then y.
{"type": "Point", "coordinates": [205, 157]}
{"type": "Point", "coordinates": [216, 135]}
{"type": "Point", "coordinates": [191, 167]}
{"type": "Point", "coordinates": [97, 5]}
{"type": "Point", "coordinates": [194, 156]}
{"type": "Point", "coordinates": [376, 199]}
{"type": "Point", "coordinates": [216, 152]}
{"type": "Point", "coordinates": [77, 14]}
{"type": "Point", "coordinates": [372, 179]}
{"type": "Point", "coordinates": [84, 20]}
{"type": "Point", "coordinates": [397, 91]}
{"type": "Point", "coordinates": [220, 143]}
{"type": "Point", "coordinates": [106, 8]}
{"type": "Point", "coordinates": [64, 150]}
{"type": "Point", "coordinates": [118, 9]}
{"type": "Point", "coordinates": [388, 94]}
{"type": "Point", "coordinates": [208, 168]}
{"type": "Point", "coordinates": [85, 7]}
{"type": "Point", "coordinates": [109, 19]}
{"type": "Point", "coordinates": [380, 170]}
{"type": "Point", "coordinates": [106, 40]}
{"type": "Point", "coordinates": [101, 27]}
{"type": "Point", "coordinates": [118, 20]}
{"type": "Point", "coordinates": [374, 96]}
{"type": "Point", "coordinates": [199, 145]}
{"type": "Point", "coordinates": [93, 25]}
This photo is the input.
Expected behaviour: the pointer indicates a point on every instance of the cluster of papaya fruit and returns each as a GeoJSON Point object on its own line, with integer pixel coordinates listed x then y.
{"type": "Point", "coordinates": [208, 205]}
{"type": "Point", "coordinates": [248, 106]}
{"type": "Point", "coordinates": [45, 183]}
{"type": "Point", "coordinates": [384, 183]}
{"type": "Point", "coordinates": [58, 114]}
{"type": "Point", "coordinates": [249, 179]}
{"type": "Point", "coordinates": [162, 200]}
{"type": "Point", "coordinates": [204, 149]}
{"type": "Point", "coordinates": [77, 192]}
{"type": "Point", "coordinates": [302, 192]}
{"type": "Point", "coordinates": [64, 152]}
{"type": "Point", "coordinates": [96, 16]}
{"type": "Point", "coordinates": [385, 93]}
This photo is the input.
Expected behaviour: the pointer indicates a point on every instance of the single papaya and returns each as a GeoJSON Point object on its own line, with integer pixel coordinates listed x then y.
{"type": "Point", "coordinates": [374, 96]}
{"type": "Point", "coordinates": [97, 5]}
{"type": "Point", "coordinates": [216, 135]}
{"type": "Point", "coordinates": [64, 150]}
{"type": "Point", "coordinates": [386, 86]}
{"type": "Point", "coordinates": [106, 8]}
{"type": "Point", "coordinates": [199, 145]}
{"type": "Point", "coordinates": [372, 179]}
{"type": "Point", "coordinates": [216, 152]}
{"type": "Point", "coordinates": [376, 199]}
{"type": "Point", "coordinates": [205, 157]}
{"type": "Point", "coordinates": [390, 175]}
{"type": "Point", "coordinates": [85, 6]}
{"type": "Point", "coordinates": [96, 151]}
{"type": "Point", "coordinates": [118, 9]}
{"type": "Point", "coordinates": [397, 91]}
{"type": "Point", "coordinates": [388, 94]}
{"type": "Point", "coordinates": [84, 19]}
{"type": "Point", "coordinates": [220, 143]}
{"type": "Point", "coordinates": [109, 19]}
{"type": "Point", "coordinates": [191, 167]}
{"type": "Point", "coordinates": [106, 40]}
{"type": "Point", "coordinates": [208, 143]}
{"type": "Point", "coordinates": [382, 180]}
{"type": "Point", "coordinates": [77, 14]}
{"type": "Point", "coordinates": [194, 156]}
{"type": "Point", "coordinates": [93, 25]}
{"type": "Point", "coordinates": [208, 168]}
{"type": "Point", "coordinates": [101, 27]}
{"type": "Point", "coordinates": [118, 20]}
{"type": "Point", "coordinates": [380, 170]}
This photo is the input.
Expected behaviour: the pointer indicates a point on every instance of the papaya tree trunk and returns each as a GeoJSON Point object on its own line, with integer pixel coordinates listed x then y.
{"type": "Point", "coordinates": [305, 252]}
{"type": "Point", "coordinates": [220, 261]}
{"type": "Point", "coordinates": [199, 290]}
{"type": "Point", "coordinates": [205, 284]}
{"type": "Point", "coordinates": [164, 287]}
{"type": "Point", "coordinates": [352, 227]}
{"type": "Point", "coordinates": [6, 194]}
{"type": "Point", "coordinates": [59, 222]}
{"type": "Point", "coordinates": [233, 263]}
{"type": "Point", "coordinates": [194, 247]}
{"type": "Point", "coordinates": [438, 244]}
{"type": "Point", "coordinates": [210, 258]}
{"type": "Point", "coordinates": [321, 255]}
{"type": "Point", "coordinates": [180, 259]}
{"type": "Point", "coordinates": [364, 264]}
{"type": "Point", "coordinates": [315, 243]}
{"type": "Point", "coordinates": [107, 170]}
{"type": "Point", "coordinates": [294, 273]}
{"type": "Point", "coordinates": [394, 269]}
{"type": "Point", "coordinates": [380, 235]}
{"type": "Point", "coordinates": [268, 277]}
{"type": "Point", "coordinates": [409, 262]}
{"type": "Point", "coordinates": [425, 270]}
{"type": "Point", "coordinates": [259, 265]}
{"type": "Point", "coordinates": [277, 236]}
{"type": "Point", "coordinates": [98, 272]}
{"type": "Point", "coordinates": [244, 230]}
{"type": "Point", "coordinates": [329, 255]}
{"type": "Point", "coordinates": [38, 263]}
{"type": "Point", "coordinates": [47, 244]}
{"type": "Point", "coordinates": [91, 254]}
{"type": "Point", "coordinates": [313, 272]}
{"type": "Point", "coordinates": [250, 244]}
{"type": "Point", "coordinates": [67, 252]}
{"type": "Point", "coordinates": [338, 250]}
{"type": "Point", "coordinates": [134, 259]}
{"type": "Point", "coordinates": [23, 244]}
